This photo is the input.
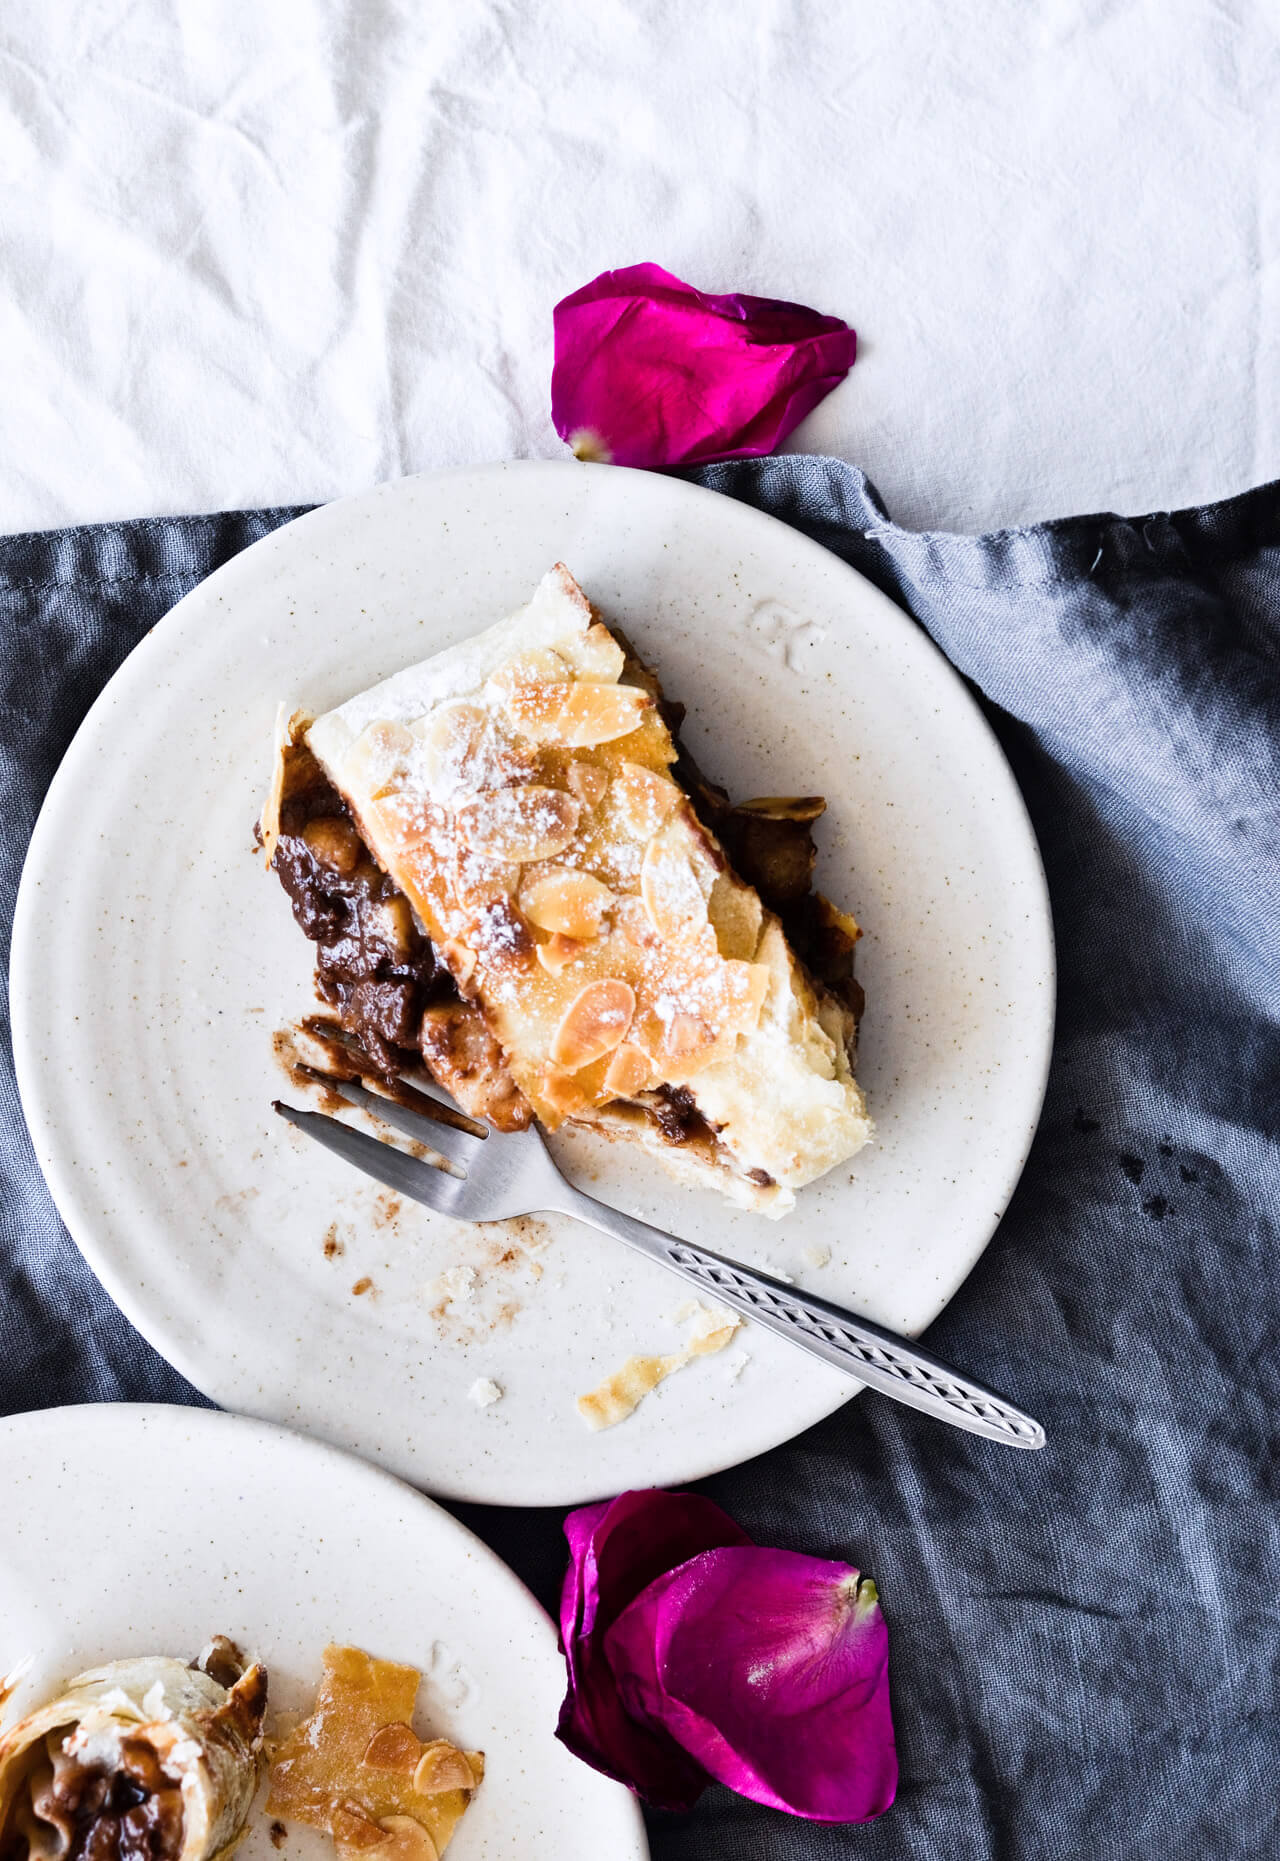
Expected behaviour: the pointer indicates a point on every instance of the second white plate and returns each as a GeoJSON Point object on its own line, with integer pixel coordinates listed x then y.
{"type": "Point", "coordinates": [153, 958]}
{"type": "Point", "coordinates": [145, 1530]}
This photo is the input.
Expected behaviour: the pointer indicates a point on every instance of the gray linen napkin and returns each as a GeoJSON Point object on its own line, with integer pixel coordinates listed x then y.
{"type": "Point", "coordinates": [1084, 1642]}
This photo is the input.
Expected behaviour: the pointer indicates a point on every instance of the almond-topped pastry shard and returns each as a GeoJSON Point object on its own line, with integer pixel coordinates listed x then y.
{"type": "Point", "coordinates": [357, 1768]}
{"type": "Point", "coordinates": [517, 879]}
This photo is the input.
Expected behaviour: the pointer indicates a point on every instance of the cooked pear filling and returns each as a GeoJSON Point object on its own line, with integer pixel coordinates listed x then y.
{"type": "Point", "coordinates": [517, 879]}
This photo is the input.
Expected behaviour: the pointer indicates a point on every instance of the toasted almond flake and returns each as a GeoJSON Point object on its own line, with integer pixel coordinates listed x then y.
{"type": "Point", "coordinates": [539, 665]}
{"type": "Point", "coordinates": [594, 1023]}
{"type": "Point", "coordinates": [560, 1092]}
{"type": "Point", "coordinates": [577, 715]}
{"type": "Point", "coordinates": [799, 808]}
{"type": "Point", "coordinates": [644, 800]}
{"type": "Point", "coordinates": [443, 1767]}
{"type": "Point", "coordinates": [379, 760]}
{"type": "Point", "coordinates": [595, 654]}
{"type": "Point", "coordinates": [354, 1833]}
{"type": "Point", "coordinates": [408, 1841]}
{"type": "Point", "coordinates": [560, 898]}
{"type": "Point", "coordinates": [518, 824]}
{"type": "Point", "coordinates": [630, 1071]}
{"type": "Point", "coordinates": [587, 782]}
{"type": "Point", "coordinates": [394, 1748]}
{"type": "Point", "coordinates": [450, 742]}
{"type": "Point", "coordinates": [559, 951]}
{"type": "Point", "coordinates": [686, 1034]}
{"type": "Point", "coordinates": [675, 884]}
{"type": "Point", "coordinates": [632, 924]}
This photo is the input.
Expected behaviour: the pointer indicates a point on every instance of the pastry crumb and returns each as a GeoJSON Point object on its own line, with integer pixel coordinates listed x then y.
{"type": "Point", "coordinates": [816, 1255]}
{"type": "Point", "coordinates": [362, 1286]}
{"type": "Point", "coordinates": [456, 1285]}
{"type": "Point", "coordinates": [278, 1833]}
{"type": "Point", "coordinates": [735, 1365]}
{"type": "Point", "coordinates": [621, 1394]}
{"type": "Point", "coordinates": [484, 1392]}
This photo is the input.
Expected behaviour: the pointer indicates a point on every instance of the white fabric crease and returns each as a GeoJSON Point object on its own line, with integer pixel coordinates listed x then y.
{"type": "Point", "coordinates": [270, 254]}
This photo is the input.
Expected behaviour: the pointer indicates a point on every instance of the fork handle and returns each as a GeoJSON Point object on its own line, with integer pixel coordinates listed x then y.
{"type": "Point", "coordinates": [878, 1358]}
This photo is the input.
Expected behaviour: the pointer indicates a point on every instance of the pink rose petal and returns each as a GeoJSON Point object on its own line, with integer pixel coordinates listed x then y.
{"type": "Point", "coordinates": [650, 372]}
{"type": "Point", "coordinates": [615, 1550]}
{"type": "Point", "coordinates": [772, 1671]}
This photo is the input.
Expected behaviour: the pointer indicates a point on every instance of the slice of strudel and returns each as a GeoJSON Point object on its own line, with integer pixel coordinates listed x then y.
{"type": "Point", "coordinates": [516, 877]}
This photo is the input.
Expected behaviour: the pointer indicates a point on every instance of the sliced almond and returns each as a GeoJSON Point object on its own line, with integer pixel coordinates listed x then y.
{"type": "Point", "coordinates": [587, 782]}
{"type": "Point", "coordinates": [559, 951]}
{"type": "Point", "coordinates": [407, 1840]}
{"type": "Point", "coordinates": [784, 807]}
{"type": "Point", "coordinates": [575, 715]}
{"type": "Point", "coordinates": [382, 757]}
{"type": "Point", "coordinates": [686, 1034]}
{"type": "Point", "coordinates": [539, 665]}
{"type": "Point", "coordinates": [518, 824]}
{"type": "Point", "coordinates": [632, 924]}
{"type": "Point", "coordinates": [630, 1071]}
{"type": "Point", "coordinates": [479, 880]}
{"type": "Point", "coordinates": [643, 799]}
{"type": "Point", "coordinates": [674, 883]}
{"type": "Point", "coordinates": [595, 654]}
{"type": "Point", "coordinates": [354, 1833]}
{"type": "Point", "coordinates": [683, 1044]}
{"type": "Point", "coordinates": [443, 1767]}
{"type": "Point", "coordinates": [594, 1023]}
{"type": "Point", "coordinates": [560, 1093]}
{"type": "Point", "coordinates": [560, 898]}
{"type": "Point", "coordinates": [394, 1748]}
{"type": "Point", "coordinates": [450, 744]}
{"type": "Point", "coordinates": [736, 915]}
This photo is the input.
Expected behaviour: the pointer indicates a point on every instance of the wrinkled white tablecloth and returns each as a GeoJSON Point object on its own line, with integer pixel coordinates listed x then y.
{"type": "Point", "coordinates": [256, 254]}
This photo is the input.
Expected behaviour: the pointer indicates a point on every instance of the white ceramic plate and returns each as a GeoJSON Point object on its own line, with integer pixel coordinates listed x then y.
{"type": "Point", "coordinates": [153, 958]}
{"type": "Point", "coordinates": [144, 1530]}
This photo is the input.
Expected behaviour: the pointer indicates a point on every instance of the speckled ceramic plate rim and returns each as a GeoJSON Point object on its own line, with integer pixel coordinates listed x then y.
{"type": "Point", "coordinates": [697, 1456]}
{"type": "Point", "coordinates": [532, 1782]}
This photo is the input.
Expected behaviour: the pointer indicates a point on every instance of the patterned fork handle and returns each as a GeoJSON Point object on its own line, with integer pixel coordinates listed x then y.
{"type": "Point", "coordinates": [878, 1358]}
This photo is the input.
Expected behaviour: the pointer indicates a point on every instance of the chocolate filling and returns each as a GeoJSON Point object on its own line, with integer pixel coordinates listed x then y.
{"type": "Point", "coordinates": [131, 1813]}
{"type": "Point", "coordinates": [675, 1112]}
{"type": "Point", "coordinates": [373, 964]}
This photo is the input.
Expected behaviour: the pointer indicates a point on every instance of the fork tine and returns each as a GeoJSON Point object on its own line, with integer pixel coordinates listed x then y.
{"type": "Point", "coordinates": [442, 1138]}
{"type": "Point", "coordinates": [411, 1176]}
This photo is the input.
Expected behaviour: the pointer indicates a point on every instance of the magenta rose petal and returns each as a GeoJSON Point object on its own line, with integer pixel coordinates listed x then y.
{"type": "Point", "coordinates": [650, 372]}
{"type": "Point", "coordinates": [615, 1549]}
{"type": "Point", "coordinates": [772, 1671]}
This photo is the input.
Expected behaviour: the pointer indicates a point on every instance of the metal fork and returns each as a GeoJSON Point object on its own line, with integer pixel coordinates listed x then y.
{"type": "Point", "coordinates": [484, 1176]}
